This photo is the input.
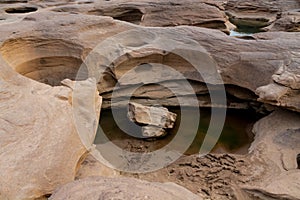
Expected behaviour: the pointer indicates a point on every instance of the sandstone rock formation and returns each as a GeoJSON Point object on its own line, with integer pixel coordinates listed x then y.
{"type": "Point", "coordinates": [288, 21]}
{"type": "Point", "coordinates": [120, 188]}
{"type": "Point", "coordinates": [277, 145]}
{"type": "Point", "coordinates": [204, 13]}
{"type": "Point", "coordinates": [55, 43]}
{"type": "Point", "coordinates": [92, 167]}
{"type": "Point", "coordinates": [269, 171]}
{"type": "Point", "coordinates": [39, 140]}
{"type": "Point", "coordinates": [236, 60]}
{"type": "Point", "coordinates": [275, 15]}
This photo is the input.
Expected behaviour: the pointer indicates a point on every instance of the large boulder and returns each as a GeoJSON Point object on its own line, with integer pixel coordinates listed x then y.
{"type": "Point", "coordinates": [155, 116]}
{"type": "Point", "coordinates": [40, 144]}
{"type": "Point", "coordinates": [154, 120]}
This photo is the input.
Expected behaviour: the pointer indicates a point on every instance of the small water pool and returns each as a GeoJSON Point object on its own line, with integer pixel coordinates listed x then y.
{"type": "Point", "coordinates": [244, 31]}
{"type": "Point", "coordinates": [236, 136]}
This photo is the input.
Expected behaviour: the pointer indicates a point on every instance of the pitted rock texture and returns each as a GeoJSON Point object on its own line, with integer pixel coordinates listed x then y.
{"type": "Point", "coordinates": [276, 144]}
{"type": "Point", "coordinates": [35, 49]}
{"type": "Point", "coordinates": [204, 13]}
{"type": "Point", "coordinates": [269, 171]}
{"type": "Point", "coordinates": [48, 41]}
{"type": "Point", "coordinates": [273, 15]}
{"type": "Point", "coordinates": [288, 21]}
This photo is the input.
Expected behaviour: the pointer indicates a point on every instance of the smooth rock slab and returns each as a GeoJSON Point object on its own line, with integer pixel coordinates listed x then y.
{"type": "Point", "coordinates": [40, 148]}
{"type": "Point", "coordinates": [95, 188]}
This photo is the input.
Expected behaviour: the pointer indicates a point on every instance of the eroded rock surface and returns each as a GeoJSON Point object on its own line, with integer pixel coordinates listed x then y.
{"type": "Point", "coordinates": [40, 47]}
{"type": "Point", "coordinates": [288, 21]}
{"type": "Point", "coordinates": [204, 13]}
{"type": "Point", "coordinates": [277, 144]}
{"type": "Point", "coordinates": [121, 188]}
{"type": "Point", "coordinates": [275, 15]}
{"type": "Point", "coordinates": [269, 171]}
{"type": "Point", "coordinates": [48, 41]}
{"type": "Point", "coordinates": [39, 140]}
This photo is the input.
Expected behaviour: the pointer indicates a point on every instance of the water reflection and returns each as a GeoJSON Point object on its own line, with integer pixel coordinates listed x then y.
{"type": "Point", "coordinates": [236, 136]}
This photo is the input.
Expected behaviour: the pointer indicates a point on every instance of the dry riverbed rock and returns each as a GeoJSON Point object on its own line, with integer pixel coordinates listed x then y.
{"type": "Point", "coordinates": [277, 144]}
{"type": "Point", "coordinates": [95, 188]}
{"type": "Point", "coordinates": [39, 140]}
{"type": "Point", "coordinates": [269, 171]}
{"type": "Point", "coordinates": [280, 15]}
{"type": "Point", "coordinates": [39, 47]}
{"type": "Point", "coordinates": [47, 41]}
{"type": "Point", "coordinates": [163, 13]}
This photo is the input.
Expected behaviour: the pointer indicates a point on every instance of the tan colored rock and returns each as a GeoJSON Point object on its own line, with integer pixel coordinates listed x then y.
{"type": "Point", "coordinates": [39, 140]}
{"type": "Point", "coordinates": [237, 60]}
{"type": "Point", "coordinates": [121, 188]}
{"type": "Point", "coordinates": [269, 171]}
{"type": "Point", "coordinates": [284, 186]}
{"type": "Point", "coordinates": [260, 13]}
{"type": "Point", "coordinates": [92, 167]}
{"type": "Point", "coordinates": [213, 176]}
{"type": "Point", "coordinates": [155, 116]}
{"type": "Point", "coordinates": [164, 13]}
{"type": "Point", "coordinates": [288, 21]}
{"type": "Point", "coordinates": [43, 40]}
{"type": "Point", "coordinates": [277, 145]}
{"type": "Point", "coordinates": [271, 92]}
{"type": "Point", "coordinates": [288, 77]}
{"type": "Point", "coordinates": [153, 131]}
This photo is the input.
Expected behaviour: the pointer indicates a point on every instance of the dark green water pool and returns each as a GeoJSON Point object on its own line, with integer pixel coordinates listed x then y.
{"type": "Point", "coordinates": [236, 136]}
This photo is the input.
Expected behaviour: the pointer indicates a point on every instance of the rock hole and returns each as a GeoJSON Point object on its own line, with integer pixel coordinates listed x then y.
{"type": "Point", "coordinates": [21, 10]}
{"type": "Point", "coordinates": [298, 161]}
{"type": "Point", "coordinates": [47, 61]}
{"type": "Point", "coordinates": [130, 15]}
{"type": "Point", "coordinates": [236, 136]}
{"type": "Point", "coordinates": [52, 70]}
{"type": "Point", "coordinates": [13, 1]}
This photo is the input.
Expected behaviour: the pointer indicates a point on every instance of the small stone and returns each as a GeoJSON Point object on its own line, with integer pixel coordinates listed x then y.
{"type": "Point", "coordinates": [153, 131]}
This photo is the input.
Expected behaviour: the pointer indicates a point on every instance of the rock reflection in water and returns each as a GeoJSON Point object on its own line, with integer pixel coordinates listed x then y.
{"type": "Point", "coordinates": [236, 136]}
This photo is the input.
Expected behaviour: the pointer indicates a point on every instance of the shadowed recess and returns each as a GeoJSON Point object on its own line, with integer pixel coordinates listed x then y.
{"type": "Point", "coordinates": [21, 10]}
{"type": "Point", "coordinates": [47, 61]}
